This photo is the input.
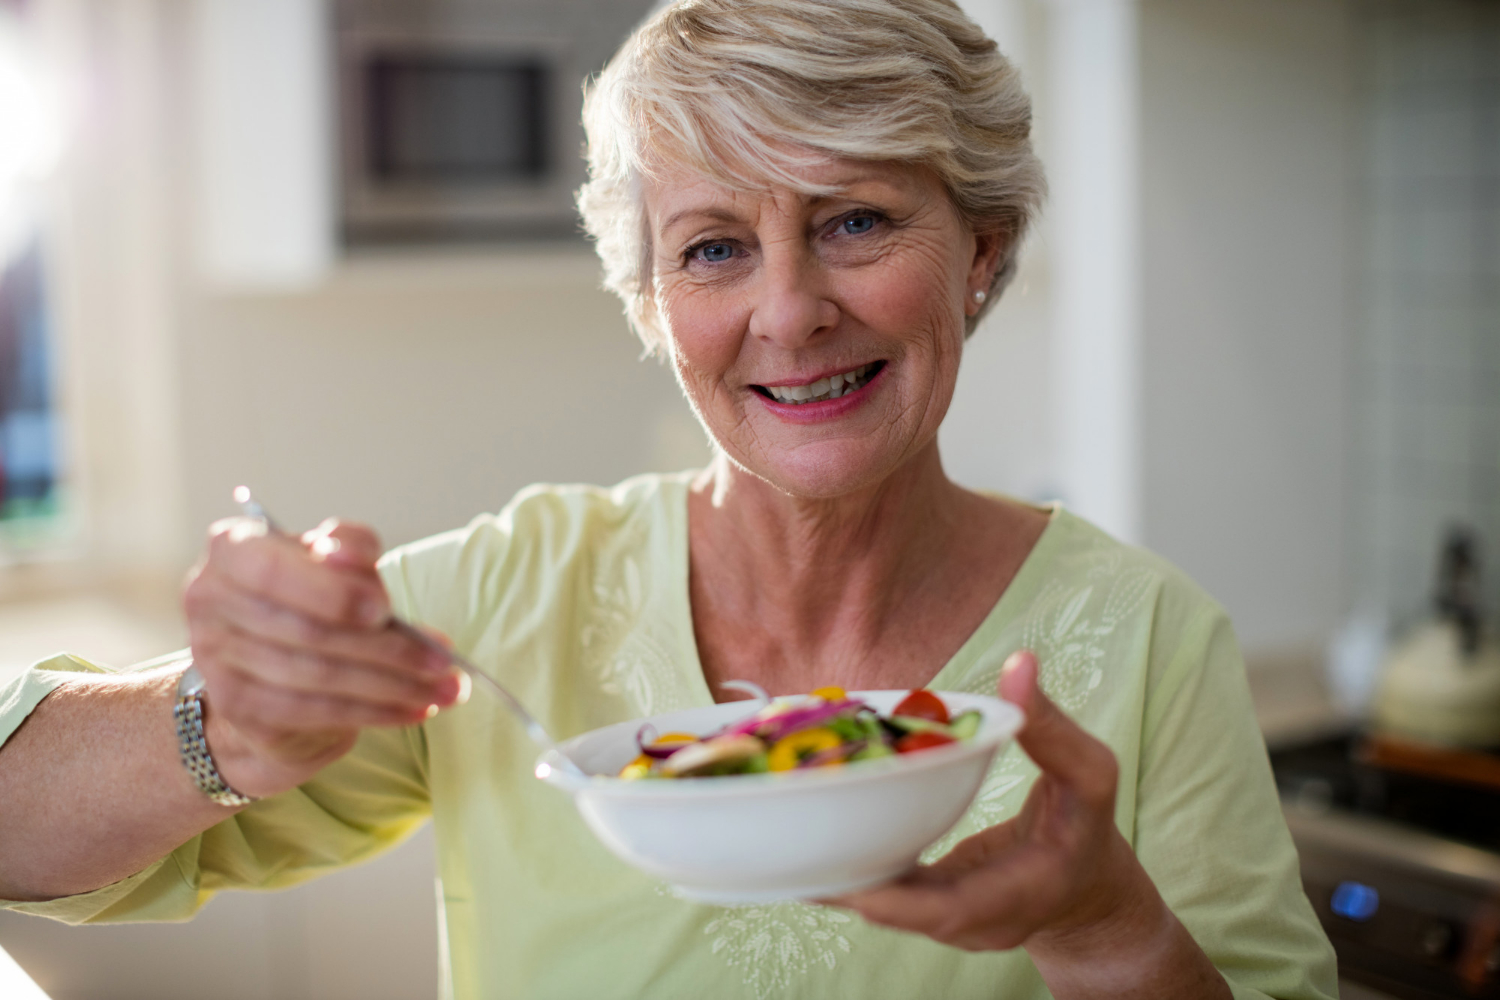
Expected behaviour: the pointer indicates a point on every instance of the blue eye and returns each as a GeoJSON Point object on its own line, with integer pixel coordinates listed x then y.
{"type": "Point", "coordinates": [716, 253]}
{"type": "Point", "coordinates": [858, 224]}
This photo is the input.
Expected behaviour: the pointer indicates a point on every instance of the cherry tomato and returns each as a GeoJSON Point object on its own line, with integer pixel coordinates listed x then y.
{"type": "Point", "coordinates": [922, 741]}
{"type": "Point", "coordinates": [923, 704]}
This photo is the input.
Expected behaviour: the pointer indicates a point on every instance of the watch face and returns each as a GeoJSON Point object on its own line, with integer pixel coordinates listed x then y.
{"type": "Point", "coordinates": [190, 683]}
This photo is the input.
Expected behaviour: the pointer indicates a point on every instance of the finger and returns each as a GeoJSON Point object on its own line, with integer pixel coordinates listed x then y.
{"type": "Point", "coordinates": [1057, 744]}
{"type": "Point", "coordinates": [270, 714]}
{"type": "Point", "coordinates": [997, 906]}
{"type": "Point", "coordinates": [305, 672]}
{"type": "Point", "coordinates": [935, 910]}
{"type": "Point", "coordinates": [983, 848]}
{"type": "Point", "coordinates": [436, 635]}
{"type": "Point", "coordinates": [220, 601]}
{"type": "Point", "coordinates": [910, 903]}
{"type": "Point", "coordinates": [281, 570]}
{"type": "Point", "coordinates": [346, 544]}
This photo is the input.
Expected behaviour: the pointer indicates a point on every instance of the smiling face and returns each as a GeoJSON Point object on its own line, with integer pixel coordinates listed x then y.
{"type": "Point", "coordinates": [817, 336]}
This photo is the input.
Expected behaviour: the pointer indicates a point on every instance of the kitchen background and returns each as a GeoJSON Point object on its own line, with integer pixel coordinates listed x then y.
{"type": "Point", "coordinates": [1258, 332]}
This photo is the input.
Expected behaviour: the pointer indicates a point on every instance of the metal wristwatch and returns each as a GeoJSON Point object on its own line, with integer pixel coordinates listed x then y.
{"type": "Point", "coordinates": [193, 745]}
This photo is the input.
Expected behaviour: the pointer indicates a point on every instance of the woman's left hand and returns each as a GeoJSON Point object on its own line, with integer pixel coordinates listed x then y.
{"type": "Point", "coordinates": [1058, 879]}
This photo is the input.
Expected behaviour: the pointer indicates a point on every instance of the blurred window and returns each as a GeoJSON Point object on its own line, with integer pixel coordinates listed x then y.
{"type": "Point", "coordinates": [29, 455]}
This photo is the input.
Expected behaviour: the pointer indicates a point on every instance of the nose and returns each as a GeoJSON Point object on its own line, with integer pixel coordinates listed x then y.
{"type": "Point", "coordinates": [792, 304]}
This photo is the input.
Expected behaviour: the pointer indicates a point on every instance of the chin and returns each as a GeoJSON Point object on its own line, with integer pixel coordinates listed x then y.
{"type": "Point", "coordinates": [815, 472]}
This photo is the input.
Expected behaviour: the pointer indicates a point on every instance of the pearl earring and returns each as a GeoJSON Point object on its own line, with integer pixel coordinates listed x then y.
{"type": "Point", "coordinates": [980, 296]}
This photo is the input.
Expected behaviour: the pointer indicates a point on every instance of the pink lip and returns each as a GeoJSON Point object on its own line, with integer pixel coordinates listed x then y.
{"type": "Point", "coordinates": [828, 374]}
{"type": "Point", "coordinates": [828, 409]}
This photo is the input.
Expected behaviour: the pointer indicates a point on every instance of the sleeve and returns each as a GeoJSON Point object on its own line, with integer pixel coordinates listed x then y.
{"type": "Point", "coordinates": [361, 805]}
{"type": "Point", "coordinates": [1209, 827]}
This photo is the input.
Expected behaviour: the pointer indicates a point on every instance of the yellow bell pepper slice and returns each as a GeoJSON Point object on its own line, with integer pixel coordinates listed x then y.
{"type": "Point", "coordinates": [789, 751]}
{"type": "Point", "coordinates": [638, 768]}
{"type": "Point", "coordinates": [831, 693]}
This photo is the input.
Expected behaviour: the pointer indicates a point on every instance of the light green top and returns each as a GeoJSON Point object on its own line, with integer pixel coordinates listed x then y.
{"type": "Point", "coordinates": [578, 598]}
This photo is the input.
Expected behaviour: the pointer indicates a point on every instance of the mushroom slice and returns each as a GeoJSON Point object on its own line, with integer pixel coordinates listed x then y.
{"type": "Point", "coordinates": [701, 758]}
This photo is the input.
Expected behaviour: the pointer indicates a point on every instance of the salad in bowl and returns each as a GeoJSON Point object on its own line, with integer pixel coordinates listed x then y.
{"type": "Point", "coordinates": [793, 798]}
{"type": "Point", "coordinates": [827, 729]}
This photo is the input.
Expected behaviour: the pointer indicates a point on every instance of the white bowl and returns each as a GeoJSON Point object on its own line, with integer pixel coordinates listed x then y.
{"type": "Point", "coordinates": [762, 838]}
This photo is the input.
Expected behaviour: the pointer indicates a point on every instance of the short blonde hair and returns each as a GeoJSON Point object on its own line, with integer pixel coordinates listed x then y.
{"type": "Point", "coordinates": [752, 91]}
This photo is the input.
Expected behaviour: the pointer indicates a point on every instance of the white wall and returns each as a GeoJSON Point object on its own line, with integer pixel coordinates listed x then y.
{"type": "Point", "coordinates": [414, 392]}
{"type": "Point", "coordinates": [1248, 111]}
{"type": "Point", "coordinates": [1000, 432]}
{"type": "Point", "coordinates": [1246, 260]}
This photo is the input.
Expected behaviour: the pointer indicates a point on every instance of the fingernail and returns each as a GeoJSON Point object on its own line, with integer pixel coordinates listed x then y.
{"type": "Point", "coordinates": [465, 687]}
{"type": "Point", "coordinates": [432, 711]}
{"type": "Point", "coordinates": [326, 546]}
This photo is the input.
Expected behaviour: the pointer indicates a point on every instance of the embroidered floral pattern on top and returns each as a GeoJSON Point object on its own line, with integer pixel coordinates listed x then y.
{"type": "Point", "coordinates": [774, 945]}
{"type": "Point", "coordinates": [621, 647]}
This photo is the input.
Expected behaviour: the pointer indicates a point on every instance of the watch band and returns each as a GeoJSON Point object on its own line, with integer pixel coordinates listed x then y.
{"type": "Point", "coordinates": [193, 745]}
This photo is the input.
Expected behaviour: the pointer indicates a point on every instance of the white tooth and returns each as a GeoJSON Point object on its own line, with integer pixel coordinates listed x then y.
{"type": "Point", "coordinates": [794, 392]}
{"type": "Point", "coordinates": [819, 387]}
{"type": "Point", "coordinates": [836, 391]}
{"type": "Point", "coordinates": [834, 381]}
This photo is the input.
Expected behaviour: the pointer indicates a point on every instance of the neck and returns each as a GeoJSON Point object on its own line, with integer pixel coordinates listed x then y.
{"type": "Point", "coordinates": [828, 577]}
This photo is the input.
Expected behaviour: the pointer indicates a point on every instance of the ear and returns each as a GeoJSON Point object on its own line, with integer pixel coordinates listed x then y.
{"type": "Point", "coordinates": [989, 246]}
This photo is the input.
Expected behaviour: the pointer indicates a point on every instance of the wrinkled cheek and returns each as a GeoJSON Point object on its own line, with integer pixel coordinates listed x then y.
{"type": "Point", "coordinates": [704, 392]}
{"type": "Point", "coordinates": [701, 351]}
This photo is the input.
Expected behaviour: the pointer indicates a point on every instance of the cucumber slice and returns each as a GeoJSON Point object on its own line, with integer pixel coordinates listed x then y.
{"type": "Point", "coordinates": [965, 725]}
{"type": "Point", "coordinates": [871, 751]}
{"type": "Point", "coordinates": [912, 724]}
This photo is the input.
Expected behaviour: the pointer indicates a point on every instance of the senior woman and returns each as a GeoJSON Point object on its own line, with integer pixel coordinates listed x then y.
{"type": "Point", "coordinates": [806, 206]}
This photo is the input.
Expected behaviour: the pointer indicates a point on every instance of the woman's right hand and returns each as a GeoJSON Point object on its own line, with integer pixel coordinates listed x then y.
{"type": "Point", "coordinates": [292, 640]}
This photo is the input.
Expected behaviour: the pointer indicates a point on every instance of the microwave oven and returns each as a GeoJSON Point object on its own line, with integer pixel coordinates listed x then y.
{"type": "Point", "coordinates": [460, 120]}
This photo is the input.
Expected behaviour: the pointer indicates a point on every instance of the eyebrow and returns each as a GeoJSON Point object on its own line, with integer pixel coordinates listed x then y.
{"type": "Point", "coordinates": [707, 213]}
{"type": "Point", "coordinates": [712, 214]}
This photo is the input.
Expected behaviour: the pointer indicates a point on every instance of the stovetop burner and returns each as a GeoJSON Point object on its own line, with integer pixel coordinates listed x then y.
{"type": "Point", "coordinates": [1402, 869]}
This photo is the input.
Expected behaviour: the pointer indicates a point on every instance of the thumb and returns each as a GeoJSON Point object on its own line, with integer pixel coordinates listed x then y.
{"type": "Point", "coordinates": [344, 544]}
{"type": "Point", "coordinates": [1057, 744]}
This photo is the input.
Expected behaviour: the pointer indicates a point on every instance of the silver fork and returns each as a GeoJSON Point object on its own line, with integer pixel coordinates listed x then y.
{"type": "Point", "coordinates": [534, 728]}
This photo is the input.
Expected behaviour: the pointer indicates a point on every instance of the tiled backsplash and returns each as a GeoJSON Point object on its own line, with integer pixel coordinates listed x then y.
{"type": "Point", "coordinates": [1426, 360]}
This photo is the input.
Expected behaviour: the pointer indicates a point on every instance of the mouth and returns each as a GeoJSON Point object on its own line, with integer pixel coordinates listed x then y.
{"type": "Point", "coordinates": [825, 388]}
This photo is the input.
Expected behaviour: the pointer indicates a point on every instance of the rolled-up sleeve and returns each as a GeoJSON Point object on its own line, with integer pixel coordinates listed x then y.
{"type": "Point", "coordinates": [361, 805]}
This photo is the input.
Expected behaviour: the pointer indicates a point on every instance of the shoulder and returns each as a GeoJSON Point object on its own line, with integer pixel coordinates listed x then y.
{"type": "Point", "coordinates": [1094, 589]}
{"type": "Point", "coordinates": [544, 529]}
{"type": "Point", "coordinates": [1081, 552]}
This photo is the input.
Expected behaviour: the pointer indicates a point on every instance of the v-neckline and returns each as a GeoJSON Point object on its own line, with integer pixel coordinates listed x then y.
{"type": "Point", "coordinates": [1000, 614]}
